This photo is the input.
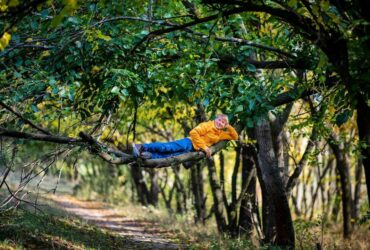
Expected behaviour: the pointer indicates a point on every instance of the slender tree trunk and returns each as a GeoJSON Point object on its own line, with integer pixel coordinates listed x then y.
{"type": "Point", "coordinates": [274, 186]}
{"type": "Point", "coordinates": [343, 170]}
{"type": "Point", "coordinates": [248, 205]}
{"type": "Point", "coordinates": [363, 124]}
{"type": "Point", "coordinates": [356, 198]}
{"type": "Point", "coordinates": [336, 203]}
{"type": "Point", "coordinates": [141, 188]}
{"type": "Point", "coordinates": [154, 188]}
{"type": "Point", "coordinates": [180, 192]}
{"type": "Point", "coordinates": [234, 177]}
{"type": "Point", "coordinates": [198, 192]}
{"type": "Point", "coordinates": [218, 204]}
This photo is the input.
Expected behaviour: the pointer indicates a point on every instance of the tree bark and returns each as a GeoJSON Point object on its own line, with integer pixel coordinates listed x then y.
{"type": "Point", "coordinates": [279, 138]}
{"type": "Point", "coordinates": [343, 170]}
{"type": "Point", "coordinates": [363, 124]}
{"type": "Point", "coordinates": [198, 193]}
{"type": "Point", "coordinates": [141, 188]}
{"type": "Point", "coordinates": [356, 198]}
{"type": "Point", "coordinates": [218, 204]}
{"type": "Point", "coordinates": [248, 207]}
{"type": "Point", "coordinates": [154, 188]}
{"type": "Point", "coordinates": [274, 186]}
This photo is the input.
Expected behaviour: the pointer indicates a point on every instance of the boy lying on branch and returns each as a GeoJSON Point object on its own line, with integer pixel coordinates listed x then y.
{"type": "Point", "coordinates": [201, 138]}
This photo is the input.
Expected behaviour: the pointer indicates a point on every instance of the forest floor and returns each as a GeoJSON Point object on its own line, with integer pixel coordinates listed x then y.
{"type": "Point", "coordinates": [70, 223]}
{"type": "Point", "coordinates": [67, 222]}
{"type": "Point", "coordinates": [139, 233]}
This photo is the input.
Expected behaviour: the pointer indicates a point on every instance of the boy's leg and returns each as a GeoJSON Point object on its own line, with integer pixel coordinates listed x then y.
{"type": "Point", "coordinates": [182, 145]}
{"type": "Point", "coordinates": [168, 149]}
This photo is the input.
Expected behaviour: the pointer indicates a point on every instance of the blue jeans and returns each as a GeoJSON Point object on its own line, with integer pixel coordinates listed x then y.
{"type": "Point", "coordinates": [168, 149]}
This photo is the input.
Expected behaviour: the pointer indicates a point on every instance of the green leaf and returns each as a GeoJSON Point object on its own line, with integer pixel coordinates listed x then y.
{"type": "Point", "coordinates": [55, 90]}
{"type": "Point", "coordinates": [206, 102]}
{"type": "Point", "coordinates": [140, 88]}
{"type": "Point", "coordinates": [241, 89]}
{"type": "Point", "coordinates": [251, 68]}
{"type": "Point", "coordinates": [102, 36]}
{"type": "Point", "coordinates": [124, 92]}
{"type": "Point", "coordinates": [251, 104]}
{"type": "Point", "coordinates": [78, 44]}
{"type": "Point", "coordinates": [292, 3]}
{"type": "Point", "coordinates": [71, 95]}
{"type": "Point", "coordinates": [144, 32]}
{"type": "Point", "coordinates": [343, 117]}
{"type": "Point", "coordinates": [250, 123]}
{"type": "Point", "coordinates": [115, 90]}
{"type": "Point", "coordinates": [240, 108]}
{"type": "Point", "coordinates": [34, 108]}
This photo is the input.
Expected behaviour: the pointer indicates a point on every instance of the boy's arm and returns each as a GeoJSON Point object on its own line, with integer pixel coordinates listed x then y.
{"type": "Point", "coordinates": [230, 134]}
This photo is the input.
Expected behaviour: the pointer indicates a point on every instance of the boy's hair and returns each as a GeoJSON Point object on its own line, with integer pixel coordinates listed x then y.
{"type": "Point", "coordinates": [222, 116]}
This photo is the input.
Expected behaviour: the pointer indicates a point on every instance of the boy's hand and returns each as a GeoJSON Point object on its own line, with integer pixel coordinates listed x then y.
{"type": "Point", "coordinates": [208, 152]}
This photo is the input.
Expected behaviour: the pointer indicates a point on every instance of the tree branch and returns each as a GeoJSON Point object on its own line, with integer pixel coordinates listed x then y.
{"type": "Point", "coordinates": [38, 137]}
{"type": "Point", "coordinates": [19, 115]}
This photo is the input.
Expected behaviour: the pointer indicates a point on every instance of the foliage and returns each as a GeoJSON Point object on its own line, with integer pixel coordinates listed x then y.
{"type": "Point", "coordinates": [109, 68]}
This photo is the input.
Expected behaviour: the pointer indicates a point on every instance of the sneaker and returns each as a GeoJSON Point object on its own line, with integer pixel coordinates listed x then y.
{"type": "Point", "coordinates": [145, 155]}
{"type": "Point", "coordinates": [137, 149]}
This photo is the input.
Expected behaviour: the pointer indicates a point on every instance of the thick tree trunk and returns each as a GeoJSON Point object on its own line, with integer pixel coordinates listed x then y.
{"type": "Point", "coordinates": [268, 212]}
{"type": "Point", "coordinates": [274, 186]}
{"type": "Point", "coordinates": [280, 141]}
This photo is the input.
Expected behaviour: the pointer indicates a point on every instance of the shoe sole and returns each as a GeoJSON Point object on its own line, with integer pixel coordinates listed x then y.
{"type": "Point", "coordinates": [136, 151]}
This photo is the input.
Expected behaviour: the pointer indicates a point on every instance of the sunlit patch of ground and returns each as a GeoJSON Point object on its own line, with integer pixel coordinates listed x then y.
{"type": "Point", "coordinates": [140, 232]}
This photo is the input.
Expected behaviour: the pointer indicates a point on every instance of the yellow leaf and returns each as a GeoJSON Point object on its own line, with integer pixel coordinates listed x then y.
{"type": "Point", "coordinates": [102, 36]}
{"type": "Point", "coordinates": [95, 69]}
{"type": "Point", "coordinates": [3, 8]}
{"type": "Point", "coordinates": [4, 40]}
{"type": "Point", "coordinates": [13, 3]}
{"type": "Point", "coordinates": [45, 53]}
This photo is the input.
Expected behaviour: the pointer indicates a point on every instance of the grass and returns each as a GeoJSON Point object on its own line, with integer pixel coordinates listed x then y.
{"type": "Point", "coordinates": [26, 230]}
{"type": "Point", "coordinates": [194, 236]}
{"type": "Point", "coordinates": [308, 233]}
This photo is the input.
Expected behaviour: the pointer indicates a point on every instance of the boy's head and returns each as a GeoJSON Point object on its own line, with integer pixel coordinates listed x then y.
{"type": "Point", "coordinates": [221, 121]}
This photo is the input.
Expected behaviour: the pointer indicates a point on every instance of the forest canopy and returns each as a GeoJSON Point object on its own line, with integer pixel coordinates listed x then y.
{"type": "Point", "coordinates": [80, 81]}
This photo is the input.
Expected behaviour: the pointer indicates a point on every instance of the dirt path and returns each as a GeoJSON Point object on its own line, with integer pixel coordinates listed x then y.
{"type": "Point", "coordinates": [140, 234]}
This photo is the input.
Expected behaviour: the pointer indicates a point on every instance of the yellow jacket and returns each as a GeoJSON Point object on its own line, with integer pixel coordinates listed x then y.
{"type": "Point", "coordinates": [206, 134]}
